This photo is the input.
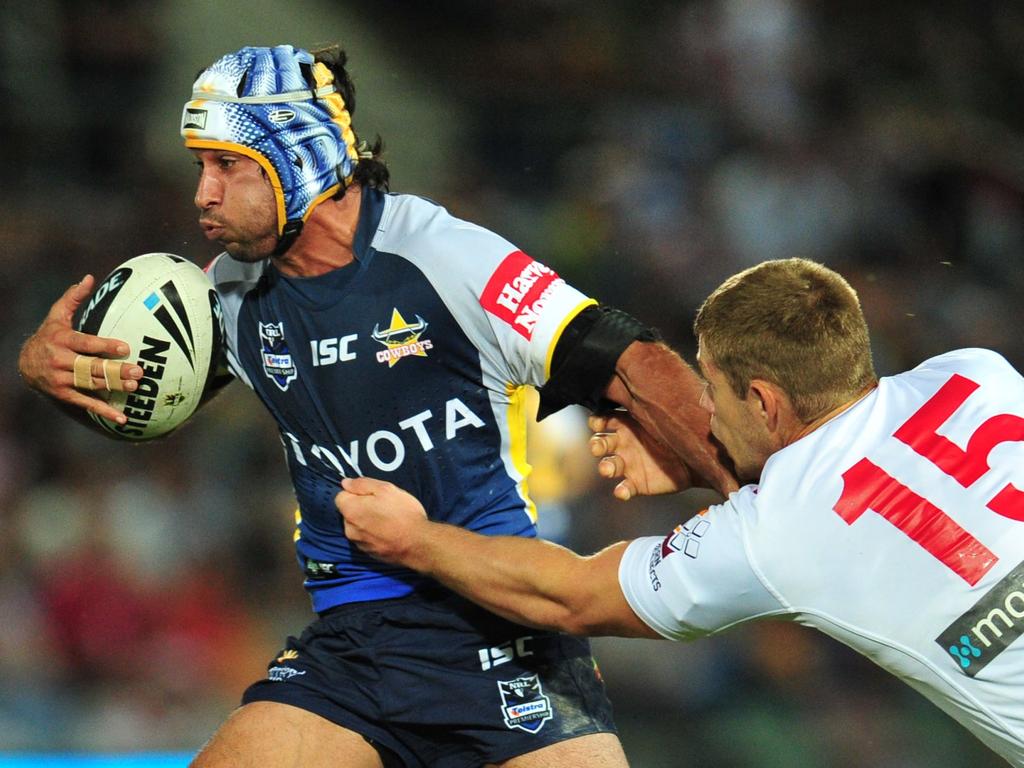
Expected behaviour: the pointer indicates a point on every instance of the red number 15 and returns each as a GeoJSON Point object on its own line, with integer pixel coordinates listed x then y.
{"type": "Point", "coordinates": [868, 486]}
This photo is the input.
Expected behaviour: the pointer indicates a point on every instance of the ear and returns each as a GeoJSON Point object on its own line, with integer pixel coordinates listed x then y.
{"type": "Point", "coordinates": [770, 404]}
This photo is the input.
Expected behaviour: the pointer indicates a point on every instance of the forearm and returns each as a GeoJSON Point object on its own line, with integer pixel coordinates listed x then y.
{"type": "Point", "coordinates": [529, 581]}
{"type": "Point", "coordinates": [655, 385]}
{"type": "Point", "coordinates": [663, 394]}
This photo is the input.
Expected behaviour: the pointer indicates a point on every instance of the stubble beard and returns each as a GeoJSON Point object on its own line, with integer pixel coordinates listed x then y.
{"type": "Point", "coordinates": [249, 252]}
{"type": "Point", "coordinates": [252, 237]}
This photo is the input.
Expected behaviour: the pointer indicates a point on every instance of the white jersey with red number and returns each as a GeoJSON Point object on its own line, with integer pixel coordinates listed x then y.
{"type": "Point", "coordinates": [897, 528]}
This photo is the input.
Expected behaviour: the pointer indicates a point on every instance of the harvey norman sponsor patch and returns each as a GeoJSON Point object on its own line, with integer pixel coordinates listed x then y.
{"type": "Point", "coordinates": [518, 291]}
{"type": "Point", "coordinates": [989, 627]}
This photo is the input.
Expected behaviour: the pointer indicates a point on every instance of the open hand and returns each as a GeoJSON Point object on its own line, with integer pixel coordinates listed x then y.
{"type": "Point", "coordinates": [626, 451]}
{"type": "Point", "coordinates": [48, 359]}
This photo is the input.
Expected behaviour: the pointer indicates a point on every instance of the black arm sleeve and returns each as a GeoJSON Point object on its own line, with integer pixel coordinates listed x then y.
{"type": "Point", "coordinates": [585, 356]}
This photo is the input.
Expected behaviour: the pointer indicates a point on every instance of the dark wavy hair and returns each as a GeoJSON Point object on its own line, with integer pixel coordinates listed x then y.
{"type": "Point", "coordinates": [370, 171]}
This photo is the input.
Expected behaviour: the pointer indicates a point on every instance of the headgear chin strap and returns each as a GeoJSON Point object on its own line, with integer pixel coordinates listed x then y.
{"type": "Point", "coordinates": [280, 108]}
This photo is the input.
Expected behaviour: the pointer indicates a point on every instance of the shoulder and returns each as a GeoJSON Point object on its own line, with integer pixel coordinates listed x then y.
{"type": "Point", "coordinates": [734, 520]}
{"type": "Point", "coordinates": [226, 274]}
{"type": "Point", "coordinates": [984, 367]}
{"type": "Point", "coordinates": [420, 229]}
{"type": "Point", "coordinates": [968, 359]}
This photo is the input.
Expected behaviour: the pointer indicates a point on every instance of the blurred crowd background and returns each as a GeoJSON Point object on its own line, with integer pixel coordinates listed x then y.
{"type": "Point", "coordinates": [646, 150]}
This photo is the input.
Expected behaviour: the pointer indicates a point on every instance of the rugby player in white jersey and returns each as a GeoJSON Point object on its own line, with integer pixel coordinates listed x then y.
{"type": "Point", "coordinates": [886, 513]}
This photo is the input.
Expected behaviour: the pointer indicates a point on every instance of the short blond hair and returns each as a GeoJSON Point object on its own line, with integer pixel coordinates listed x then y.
{"type": "Point", "coordinates": [795, 323]}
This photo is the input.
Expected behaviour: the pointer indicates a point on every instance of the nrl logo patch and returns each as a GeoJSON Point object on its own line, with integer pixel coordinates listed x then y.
{"type": "Point", "coordinates": [401, 339]}
{"type": "Point", "coordinates": [277, 359]}
{"type": "Point", "coordinates": [523, 703]}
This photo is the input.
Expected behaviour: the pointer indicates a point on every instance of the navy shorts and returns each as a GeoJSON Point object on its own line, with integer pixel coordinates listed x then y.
{"type": "Point", "coordinates": [437, 682]}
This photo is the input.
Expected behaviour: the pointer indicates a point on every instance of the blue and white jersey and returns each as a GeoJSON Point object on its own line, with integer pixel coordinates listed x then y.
{"type": "Point", "coordinates": [408, 365]}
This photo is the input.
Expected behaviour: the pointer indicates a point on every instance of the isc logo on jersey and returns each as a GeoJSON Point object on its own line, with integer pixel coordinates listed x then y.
{"type": "Point", "coordinates": [518, 291]}
{"type": "Point", "coordinates": [334, 350]}
{"type": "Point", "coordinates": [401, 339]}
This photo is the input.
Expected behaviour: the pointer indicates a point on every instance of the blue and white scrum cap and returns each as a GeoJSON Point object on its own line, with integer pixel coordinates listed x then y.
{"type": "Point", "coordinates": [282, 109]}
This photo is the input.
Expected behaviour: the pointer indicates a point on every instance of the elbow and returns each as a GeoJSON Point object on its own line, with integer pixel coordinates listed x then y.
{"type": "Point", "coordinates": [586, 597]}
{"type": "Point", "coordinates": [566, 618]}
{"type": "Point", "coordinates": [579, 612]}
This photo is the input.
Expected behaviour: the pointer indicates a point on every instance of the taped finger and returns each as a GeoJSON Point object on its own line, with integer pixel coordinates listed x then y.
{"type": "Point", "coordinates": [112, 375]}
{"type": "Point", "coordinates": [83, 372]}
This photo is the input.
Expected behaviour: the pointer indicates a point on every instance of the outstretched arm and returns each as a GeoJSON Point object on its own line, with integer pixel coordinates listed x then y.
{"type": "Point", "coordinates": [48, 358]}
{"type": "Point", "coordinates": [529, 581]}
{"type": "Point", "coordinates": [604, 355]}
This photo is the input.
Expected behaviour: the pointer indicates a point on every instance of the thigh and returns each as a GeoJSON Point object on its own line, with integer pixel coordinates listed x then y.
{"type": "Point", "coordinates": [265, 734]}
{"type": "Point", "coordinates": [470, 689]}
{"type": "Point", "coordinates": [598, 750]}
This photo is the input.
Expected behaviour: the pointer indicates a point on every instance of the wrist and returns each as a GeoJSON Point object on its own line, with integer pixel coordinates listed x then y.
{"type": "Point", "coordinates": [421, 544]}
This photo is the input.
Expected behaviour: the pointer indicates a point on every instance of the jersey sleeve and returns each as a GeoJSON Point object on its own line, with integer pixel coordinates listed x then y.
{"type": "Point", "coordinates": [697, 580]}
{"type": "Point", "coordinates": [528, 306]}
{"type": "Point", "coordinates": [511, 306]}
{"type": "Point", "coordinates": [232, 280]}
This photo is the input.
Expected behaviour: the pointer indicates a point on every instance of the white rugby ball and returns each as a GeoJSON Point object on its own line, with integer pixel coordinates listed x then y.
{"type": "Point", "coordinates": [165, 308]}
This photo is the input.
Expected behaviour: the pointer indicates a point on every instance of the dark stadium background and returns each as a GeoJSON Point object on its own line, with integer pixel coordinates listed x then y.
{"type": "Point", "coordinates": [646, 150]}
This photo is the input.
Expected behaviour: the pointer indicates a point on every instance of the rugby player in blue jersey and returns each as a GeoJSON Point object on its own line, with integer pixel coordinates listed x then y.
{"type": "Point", "coordinates": [391, 340]}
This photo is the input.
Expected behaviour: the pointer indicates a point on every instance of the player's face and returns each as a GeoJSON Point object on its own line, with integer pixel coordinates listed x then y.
{"type": "Point", "coordinates": [236, 203]}
{"type": "Point", "coordinates": [735, 422]}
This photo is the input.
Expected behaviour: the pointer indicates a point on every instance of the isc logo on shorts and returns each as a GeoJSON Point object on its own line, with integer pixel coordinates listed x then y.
{"type": "Point", "coordinates": [504, 653]}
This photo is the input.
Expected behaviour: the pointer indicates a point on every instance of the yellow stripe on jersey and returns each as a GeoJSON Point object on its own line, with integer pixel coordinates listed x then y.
{"type": "Point", "coordinates": [298, 522]}
{"type": "Point", "coordinates": [558, 334]}
{"type": "Point", "coordinates": [517, 443]}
